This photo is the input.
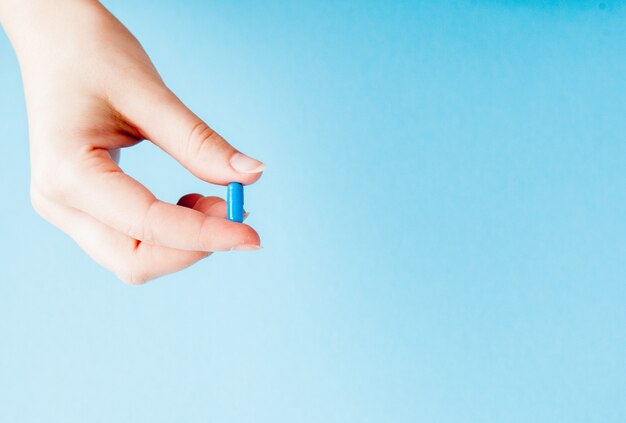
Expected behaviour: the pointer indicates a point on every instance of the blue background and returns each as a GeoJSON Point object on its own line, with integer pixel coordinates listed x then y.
{"type": "Point", "coordinates": [444, 221]}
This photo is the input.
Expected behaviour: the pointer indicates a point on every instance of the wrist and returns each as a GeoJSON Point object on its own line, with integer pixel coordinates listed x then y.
{"type": "Point", "coordinates": [41, 30]}
{"type": "Point", "coordinates": [28, 18]}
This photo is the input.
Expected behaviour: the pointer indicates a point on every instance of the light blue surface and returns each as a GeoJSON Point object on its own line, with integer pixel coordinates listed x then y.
{"type": "Point", "coordinates": [234, 202]}
{"type": "Point", "coordinates": [443, 215]}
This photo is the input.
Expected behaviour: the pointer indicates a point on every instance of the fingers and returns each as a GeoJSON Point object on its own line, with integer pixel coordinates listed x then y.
{"type": "Point", "coordinates": [189, 200]}
{"type": "Point", "coordinates": [132, 261]}
{"type": "Point", "coordinates": [162, 118]}
{"type": "Point", "coordinates": [103, 191]}
{"type": "Point", "coordinates": [211, 206]}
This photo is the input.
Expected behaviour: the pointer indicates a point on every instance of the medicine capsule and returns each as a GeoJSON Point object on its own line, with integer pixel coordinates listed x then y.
{"type": "Point", "coordinates": [234, 202]}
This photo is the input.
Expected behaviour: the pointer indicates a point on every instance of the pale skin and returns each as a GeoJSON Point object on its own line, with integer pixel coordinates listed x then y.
{"type": "Point", "coordinates": [91, 90]}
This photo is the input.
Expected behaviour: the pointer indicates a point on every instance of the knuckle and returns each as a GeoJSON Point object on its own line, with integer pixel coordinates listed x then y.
{"type": "Point", "coordinates": [142, 229]}
{"type": "Point", "coordinates": [203, 140]}
{"type": "Point", "coordinates": [131, 269]}
{"type": "Point", "coordinates": [132, 276]}
{"type": "Point", "coordinates": [201, 237]}
{"type": "Point", "coordinates": [200, 131]}
{"type": "Point", "coordinates": [38, 202]}
{"type": "Point", "coordinates": [53, 184]}
{"type": "Point", "coordinates": [40, 186]}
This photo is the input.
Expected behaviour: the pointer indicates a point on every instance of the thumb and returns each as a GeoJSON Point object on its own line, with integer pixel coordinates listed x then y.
{"type": "Point", "coordinates": [163, 119]}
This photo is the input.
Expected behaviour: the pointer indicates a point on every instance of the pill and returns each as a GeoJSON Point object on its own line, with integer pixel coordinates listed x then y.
{"type": "Point", "coordinates": [234, 201]}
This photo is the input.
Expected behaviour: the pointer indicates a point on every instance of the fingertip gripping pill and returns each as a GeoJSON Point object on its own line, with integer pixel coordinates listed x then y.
{"type": "Point", "coordinates": [234, 201]}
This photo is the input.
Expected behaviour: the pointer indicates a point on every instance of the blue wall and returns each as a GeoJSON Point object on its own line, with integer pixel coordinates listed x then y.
{"type": "Point", "coordinates": [444, 221]}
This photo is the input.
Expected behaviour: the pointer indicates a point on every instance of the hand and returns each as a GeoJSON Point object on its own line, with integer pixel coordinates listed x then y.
{"type": "Point", "coordinates": [90, 90]}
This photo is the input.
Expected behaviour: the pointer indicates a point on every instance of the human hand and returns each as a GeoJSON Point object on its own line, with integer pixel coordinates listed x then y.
{"type": "Point", "coordinates": [91, 90]}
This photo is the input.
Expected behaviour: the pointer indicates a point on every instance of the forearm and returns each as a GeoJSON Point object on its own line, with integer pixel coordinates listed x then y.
{"type": "Point", "coordinates": [70, 42]}
{"type": "Point", "coordinates": [27, 21]}
{"type": "Point", "coordinates": [41, 30]}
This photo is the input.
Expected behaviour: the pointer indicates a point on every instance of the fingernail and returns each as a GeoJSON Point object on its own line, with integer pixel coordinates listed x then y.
{"type": "Point", "coordinates": [244, 164]}
{"type": "Point", "coordinates": [246, 247]}
{"type": "Point", "coordinates": [245, 215]}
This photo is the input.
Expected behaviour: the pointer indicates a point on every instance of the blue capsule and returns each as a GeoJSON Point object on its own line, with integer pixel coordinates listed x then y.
{"type": "Point", "coordinates": [234, 202]}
